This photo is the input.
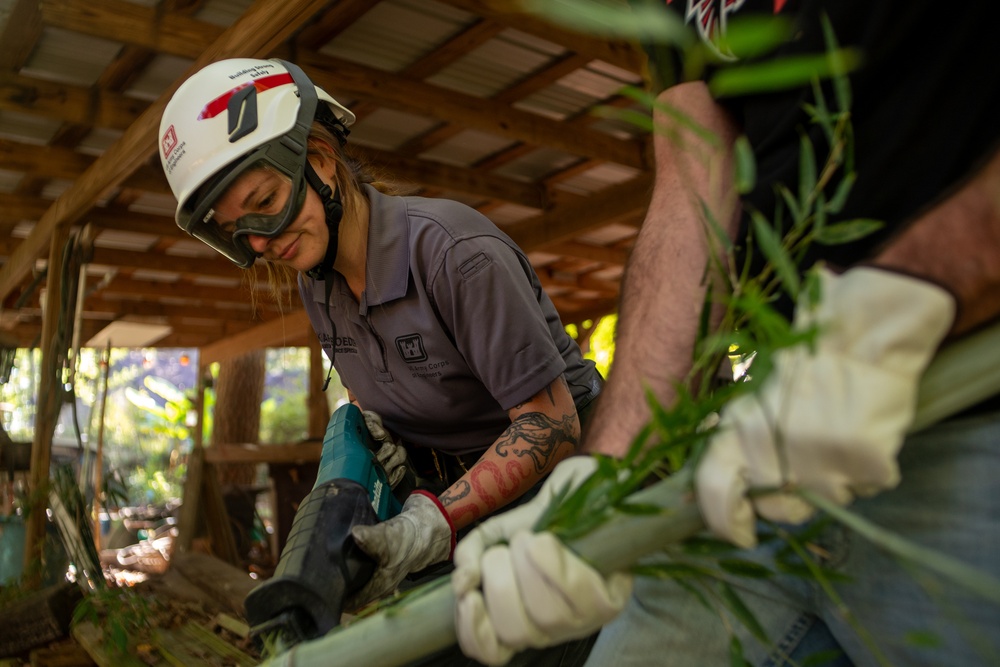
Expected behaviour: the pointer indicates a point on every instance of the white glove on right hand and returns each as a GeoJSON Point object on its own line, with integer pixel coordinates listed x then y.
{"type": "Point", "coordinates": [830, 420]}
{"type": "Point", "coordinates": [391, 455]}
{"type": "Point", "coordinates": [535, 592]}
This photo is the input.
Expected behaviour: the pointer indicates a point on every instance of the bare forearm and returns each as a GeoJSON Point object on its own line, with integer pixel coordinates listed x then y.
{"type": "Point", "coordinates": [665, 281]}
{"type": "Point", "coordinates": [957, 245]}
{"type": "Point", "coordinates": [527, 450]}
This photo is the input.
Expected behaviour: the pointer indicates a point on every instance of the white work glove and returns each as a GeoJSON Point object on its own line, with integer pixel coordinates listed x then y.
{"type": "Point", "coordinates": [391, 454]}
{"type": "Point", "coordinates": [535, 592]}
{"type": "Point", "coordinates": [420, 535]}
{"type": "Point", "coordinates": [829, 420]}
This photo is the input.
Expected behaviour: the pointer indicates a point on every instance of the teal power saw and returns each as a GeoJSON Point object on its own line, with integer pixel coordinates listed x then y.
{"type": "Point", "coordinates": [321, 565]}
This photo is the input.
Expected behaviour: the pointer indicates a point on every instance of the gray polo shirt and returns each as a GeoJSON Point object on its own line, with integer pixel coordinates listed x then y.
{"type": "Point", "coordinates": [453, 328]}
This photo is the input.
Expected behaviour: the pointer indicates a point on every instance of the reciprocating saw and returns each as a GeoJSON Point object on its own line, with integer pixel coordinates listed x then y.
{"type": "Point", "coordinates": [321, 565]}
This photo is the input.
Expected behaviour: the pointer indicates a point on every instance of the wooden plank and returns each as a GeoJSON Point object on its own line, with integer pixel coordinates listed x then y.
{"type": "Point", "coordinates": [336, 75]}
{"type": "Point", "coordinates": [457, 179]}
{"type": "Point", "coordinates": [617, 52]}
{"type": "Point", "coordinates": [573, 219]}
{"type": "Point", "coordinates": [74, 104]}
{"type": "Point", "coordinates": [299, 452]}
{"type": "Point", "coordinates": [227, 583]}
{"type": "Point", "coordinates": [275, 333]}
{"type": "Point", "coordinates": [91, 638]}
{"type": "Point", "coordinates": [20, 34]}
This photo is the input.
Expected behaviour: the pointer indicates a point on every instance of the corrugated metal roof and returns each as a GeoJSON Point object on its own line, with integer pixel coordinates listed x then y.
{"type": "Point", "coordinates": [69, 57]}
{"type": "Point", "coordinates": [395, 33]}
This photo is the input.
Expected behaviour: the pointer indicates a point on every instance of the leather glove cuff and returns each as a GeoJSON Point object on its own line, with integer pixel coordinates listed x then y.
{"type": "Point", "coordinates": [444, 513]}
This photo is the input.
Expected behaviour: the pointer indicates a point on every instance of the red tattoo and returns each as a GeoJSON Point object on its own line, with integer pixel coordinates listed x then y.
{"type": "Point", "coordinates": [458, 513]}
{"type": "Point", "coordinates": [491, 469]}
{"type": "Point", "coordinates": [517, 474]}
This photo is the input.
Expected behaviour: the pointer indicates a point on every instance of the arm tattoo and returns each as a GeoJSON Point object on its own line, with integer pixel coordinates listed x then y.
{"type": "Point", "coordinates": [460, 491]}
{"type": "Point", "coordinates": [491, 469]}
{"type": "Point", "coordinates": [538, 436]}
{"type": "Point", "coordinates": [450, 498]}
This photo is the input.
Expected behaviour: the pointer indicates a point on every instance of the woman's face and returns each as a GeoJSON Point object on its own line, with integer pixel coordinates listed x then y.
{"type": "Point", "coordinates": [302, 244]}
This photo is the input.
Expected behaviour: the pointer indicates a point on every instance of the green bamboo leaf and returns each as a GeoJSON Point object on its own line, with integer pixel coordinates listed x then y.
{"type": "Point", "coordinates": [736, 658]}
{"type": "Point", "coordinates": [820, 112]}
{"type": "Point", "coordinates": [838, 68]}
{"type": "Point", "coordinates": [798, 216]}
{"type": "Point", "coordinates": [923, 639]}
{"type": "Point", "coordinates": [847, 231]}
{"type": "Point", "coordinates": [707, 546]}
{"type": "Point", "coordinates": [807, 171]}
{"type": "Point", "coordinates": [746, 165]}
{"type": "Point", "coordinates": [640, 120]}
{"type": "Point", "coordinates": [718, 233]}
{"type": "Point", "coordinates": [639, 509]}
{"type": "Point", "coordinates": [821, 658]}
{"type": "Point", "coordinates": [672, 570]}
{"type": "Point", "coordinates": [783, 74]}
{"type": "Point", "coordinates": [814, 292]}
{"type": "Point", "coordinates": [809, 572]}
{"type": "Point", "coordinates": [745, 568]}
{"type": "Point", "coordinates": [819, 212]}
{"type": "Point", "coordinates": [750, 37]}
{"type": "Point", "coordinates": [606, 19]}
{"type": "Point", "coordinates": [682, 119]}
{"type": "Point", "coordinates": [742, 613]}
{"type": "Point", "coordinates": [770, 244]}
{"type": "Point", "coordinates": [696, 593]}
{"type": "Point", "coordinates": [836, 204]}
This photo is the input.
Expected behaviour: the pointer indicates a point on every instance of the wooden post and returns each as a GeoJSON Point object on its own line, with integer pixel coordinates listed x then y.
{"type": "Point", "coordinates": [187, 522]}
{"type": "Point", "coordinates": [319, 409]}
{"type": "Point", "coordinates": [45, 412]}
{"type": "Point", "coordinates": [99, 458]}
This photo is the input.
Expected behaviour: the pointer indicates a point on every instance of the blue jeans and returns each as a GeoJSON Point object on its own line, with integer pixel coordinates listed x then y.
{"type": "Point", "coordinates": [948, 501]}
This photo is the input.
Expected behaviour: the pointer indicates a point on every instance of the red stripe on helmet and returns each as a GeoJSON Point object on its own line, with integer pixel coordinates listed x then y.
{"type": "Point", "coordinates": [219, 104]}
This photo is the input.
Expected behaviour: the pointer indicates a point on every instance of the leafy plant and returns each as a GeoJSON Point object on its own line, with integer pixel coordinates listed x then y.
{"type": "Point", "coordinates": [124, 616]}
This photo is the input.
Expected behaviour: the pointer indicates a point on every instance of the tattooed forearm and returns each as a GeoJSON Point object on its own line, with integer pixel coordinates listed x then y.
{"type": "Point", "coordinates": [459, 491]}
{"type": "Point", "coordinates": [538, 436]}
{"type": "Point", "coordinates": [460, 503]}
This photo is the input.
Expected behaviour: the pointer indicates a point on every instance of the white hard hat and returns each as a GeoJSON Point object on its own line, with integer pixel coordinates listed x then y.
{"type": "Point", "coordinates": [225, 114]}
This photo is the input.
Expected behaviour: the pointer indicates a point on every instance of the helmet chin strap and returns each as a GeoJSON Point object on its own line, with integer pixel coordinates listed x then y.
{"type": "Point", "coordinates": [334, 210]}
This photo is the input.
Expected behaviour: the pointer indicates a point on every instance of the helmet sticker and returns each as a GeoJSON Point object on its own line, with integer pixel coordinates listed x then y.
{"type": "Point", "coordinates": [169, 141]}
{"type": "Point", "coordinates": [221, 103]}
{"type": "Point", "coordinates": [173, 150]}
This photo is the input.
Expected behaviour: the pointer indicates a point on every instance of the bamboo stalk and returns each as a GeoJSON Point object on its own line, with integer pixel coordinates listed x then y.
{"type": "Point", "coordinates": [959, 377]}
{"type": "Point", "coordinates": [99, 458]}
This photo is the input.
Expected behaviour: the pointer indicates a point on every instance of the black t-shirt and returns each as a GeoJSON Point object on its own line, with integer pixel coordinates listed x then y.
{"type": "Point", "coordinates": [925, 104]}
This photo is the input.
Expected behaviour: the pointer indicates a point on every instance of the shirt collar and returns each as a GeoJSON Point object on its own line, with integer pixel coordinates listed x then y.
{"type": "Point", "coordinates": [388, 261]}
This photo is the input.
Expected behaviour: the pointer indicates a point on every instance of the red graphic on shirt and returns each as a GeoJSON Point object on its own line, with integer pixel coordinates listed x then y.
{"type": "Point", "coordinates": [220, 103]}
{"type": "Point", "coordinates": [711, 16]}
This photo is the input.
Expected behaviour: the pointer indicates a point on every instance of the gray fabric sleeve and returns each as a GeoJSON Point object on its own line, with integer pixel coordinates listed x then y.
{"type": "Point", "coordinates": [485, 294]}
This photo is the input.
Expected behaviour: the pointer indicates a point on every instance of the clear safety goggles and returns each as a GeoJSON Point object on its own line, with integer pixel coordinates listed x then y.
{"type": "Point", "coordinates": [268, 207]}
